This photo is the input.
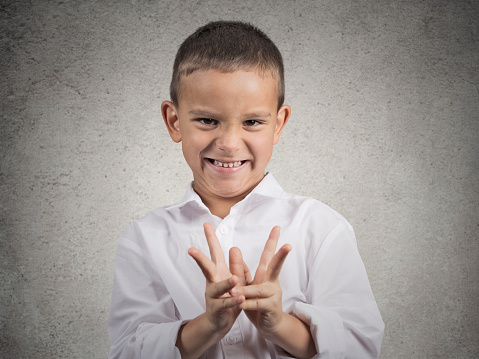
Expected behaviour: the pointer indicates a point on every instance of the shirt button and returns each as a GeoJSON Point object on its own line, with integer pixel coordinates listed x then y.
{"type": "Point", "coordinates": [224, 230]}
{"type": "Point", "coordinates": [231, 340]}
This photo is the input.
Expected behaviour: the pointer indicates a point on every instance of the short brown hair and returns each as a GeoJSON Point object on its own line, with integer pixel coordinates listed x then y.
{"type": "Point", "coordinates": [227, 46]}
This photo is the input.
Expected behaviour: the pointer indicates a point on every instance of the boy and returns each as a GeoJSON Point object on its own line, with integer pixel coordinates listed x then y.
{"type": "Point", "coordinates": [310, 299]}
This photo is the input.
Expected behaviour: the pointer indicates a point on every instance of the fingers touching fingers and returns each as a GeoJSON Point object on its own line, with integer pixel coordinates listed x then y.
{"type": "Point", "coordinates": [221, 288]}
{"type": "Point", "coordinates": [269, 267]}
{"type": "Point", "coordinates": [258, 297]}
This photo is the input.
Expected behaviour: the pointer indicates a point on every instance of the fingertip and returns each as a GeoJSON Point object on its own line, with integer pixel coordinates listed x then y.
{"type": "Point", "coordinates": [240, 301]}
{"type": "Point", "coordinates": [276, 229]}
{"type": "Point", "coordinates": [234, 280]}
{"type": "Point", "coordinates": [236, 256]}
{"type": "Point", "coordinates": [284, 250]}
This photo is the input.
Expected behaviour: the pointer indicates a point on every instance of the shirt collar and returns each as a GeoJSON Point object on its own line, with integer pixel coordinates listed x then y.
{"type": "Point", "coordinates": [268, 187]}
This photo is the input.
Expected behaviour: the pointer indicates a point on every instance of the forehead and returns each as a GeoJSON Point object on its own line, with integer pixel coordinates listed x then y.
{"type": "Point", "coordinates": [233, 88]}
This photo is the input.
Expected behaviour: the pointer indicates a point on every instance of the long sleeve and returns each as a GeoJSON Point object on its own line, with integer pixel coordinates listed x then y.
{"type": "Point", "coordinates": [342, 313]}
{"type": "Point", "coordinates": [142, 321]}
{"type": "Point", "coordinates": [158, 286]}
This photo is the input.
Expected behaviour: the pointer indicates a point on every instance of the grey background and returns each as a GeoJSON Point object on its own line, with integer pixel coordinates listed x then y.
{"type": "Point", "coordinates": [385, 99]}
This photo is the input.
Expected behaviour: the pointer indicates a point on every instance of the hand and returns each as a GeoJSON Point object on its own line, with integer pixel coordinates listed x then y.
{"type": "Point", "coordinates": [263, 304]}
{"type": "Point", "coordinates": [222, 309]}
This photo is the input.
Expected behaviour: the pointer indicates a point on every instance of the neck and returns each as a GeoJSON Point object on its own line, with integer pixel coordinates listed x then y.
{"type": "Point", "coordinates": [218, 206]}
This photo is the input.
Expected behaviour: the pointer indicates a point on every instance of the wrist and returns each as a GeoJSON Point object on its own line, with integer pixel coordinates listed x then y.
{"type": "Point", "coordinates": [197, 336]}
{"type": "Point", "coordinates": [273, 331]}
{"type": "Point", "coordinates": [217, 329]}
{"type": "Point", "coordinates": [292, 335]}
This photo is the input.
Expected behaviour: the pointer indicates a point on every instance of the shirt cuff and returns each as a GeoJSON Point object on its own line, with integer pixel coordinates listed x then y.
{"type": "Point", "coordinates": [158, 340]}
{"type": "Point", "coordinates": [326, 329]}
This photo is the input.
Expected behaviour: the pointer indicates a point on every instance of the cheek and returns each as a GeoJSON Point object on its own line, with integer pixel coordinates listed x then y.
{"type": "Point", "coordinates": [263, 149]}
{"type": "Point", "coordinates": [193, 146]}
{"type": "Point", "coordinates": [189, 149]}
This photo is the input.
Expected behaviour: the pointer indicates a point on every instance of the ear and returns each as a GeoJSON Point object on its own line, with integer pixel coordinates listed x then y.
{"type": "Point", "coordinates": [281, 120]}
{"type": "Point", "coordinates": [170, 116]}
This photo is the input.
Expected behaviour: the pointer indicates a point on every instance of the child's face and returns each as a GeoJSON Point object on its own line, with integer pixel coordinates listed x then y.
{"type": "Point", "coordinates": [228, 124]}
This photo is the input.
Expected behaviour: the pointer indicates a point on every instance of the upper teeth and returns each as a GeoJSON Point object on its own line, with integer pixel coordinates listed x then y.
{"type": "Point", "coordinates": [227, 164]}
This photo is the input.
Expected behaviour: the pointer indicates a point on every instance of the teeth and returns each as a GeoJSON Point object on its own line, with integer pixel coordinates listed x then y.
{"type": "Point", "coordinates": [227, 164]}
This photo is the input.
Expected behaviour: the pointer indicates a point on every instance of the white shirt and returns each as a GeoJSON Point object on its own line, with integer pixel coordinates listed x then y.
{"type": "Point", "coordinates": [158, 286]}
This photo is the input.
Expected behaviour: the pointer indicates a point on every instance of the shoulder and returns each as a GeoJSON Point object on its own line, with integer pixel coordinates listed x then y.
{"type": "Point", "coordinates": [156, 224]}
{"type": "Point", "coordinates": [314, 228]}
{"type": "Point", "coordinates": [155, 218]}
{"type": "Point", "coordinates": [313, 211]}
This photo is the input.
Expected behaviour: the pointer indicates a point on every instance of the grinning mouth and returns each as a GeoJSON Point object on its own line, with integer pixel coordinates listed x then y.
{"type": "Point", "coordinates": [226, 164]}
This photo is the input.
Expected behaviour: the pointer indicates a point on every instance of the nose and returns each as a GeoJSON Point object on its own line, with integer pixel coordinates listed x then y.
{"type": "Point", "coordinates": [229, 139]}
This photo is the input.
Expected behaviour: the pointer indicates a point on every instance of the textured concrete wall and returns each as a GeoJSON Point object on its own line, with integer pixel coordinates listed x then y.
{"type": "Point", "coordinates": [385, 125]}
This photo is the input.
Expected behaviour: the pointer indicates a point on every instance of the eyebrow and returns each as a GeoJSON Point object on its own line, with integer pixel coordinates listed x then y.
{"type": "Point", "coordinates": [201, 113]}
{"type": "Point", "coordinates": [260, 114]}
{"type": "Point", "coordinates": [207, 114]}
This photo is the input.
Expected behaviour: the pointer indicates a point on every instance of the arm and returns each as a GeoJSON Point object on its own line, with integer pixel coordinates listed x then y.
{"type": "Point", "coordinates": [144, 318]}
{"type": "Point", "coordinates": [142, 315]}
{"type": "Point", "coordinates": [263, 304]}
{"type": "Point", "coordinates": [198, 335]}
{"type": "Point", "coordinates": [340, 308]}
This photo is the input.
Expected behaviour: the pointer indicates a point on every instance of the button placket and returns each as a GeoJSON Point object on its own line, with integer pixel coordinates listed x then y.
{"type": "Point", "coordinates": [231, 340]}
{"type": "Point", "coordinates": [223, 229]}
{"type": "Point", "coordinates": [234, 336]}
{"type": "Point", "coordinates": [225, 233]}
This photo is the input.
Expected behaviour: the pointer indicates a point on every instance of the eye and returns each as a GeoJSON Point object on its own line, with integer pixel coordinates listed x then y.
{"type": "Point", "coordinates": [251, 123]}
{"type": "Point", "coordinates": [207, 121]}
